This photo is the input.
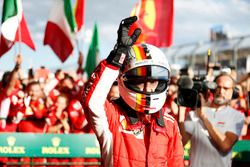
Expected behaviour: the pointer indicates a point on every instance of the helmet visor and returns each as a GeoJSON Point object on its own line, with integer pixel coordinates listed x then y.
{"type": "Point", "coordinates": [150, 72]}
{"type": "Point", "coordinates": [144, 74]}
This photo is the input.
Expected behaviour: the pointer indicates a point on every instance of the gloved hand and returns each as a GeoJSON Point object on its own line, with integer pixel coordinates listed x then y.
{"type": "Point", "coordinates": [124, 42]}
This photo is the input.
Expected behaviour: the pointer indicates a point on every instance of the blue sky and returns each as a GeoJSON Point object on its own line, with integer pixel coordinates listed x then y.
{"type": "Point", "coordinates": [193, 20]}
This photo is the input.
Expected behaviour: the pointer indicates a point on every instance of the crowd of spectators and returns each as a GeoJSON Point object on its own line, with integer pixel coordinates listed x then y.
{"type": "Point", "coordinates": [46, 102]}
{"type": "Point", "coordinates": [43, 102]}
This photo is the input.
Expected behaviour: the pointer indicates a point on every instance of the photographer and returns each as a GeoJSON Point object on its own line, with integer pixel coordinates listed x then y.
{"type": "Point", "coordinates": [133, 130]}
{"type": "Point", "coordinates": [213, 128]}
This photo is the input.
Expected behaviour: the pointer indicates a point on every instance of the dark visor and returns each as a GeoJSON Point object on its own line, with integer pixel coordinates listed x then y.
{"type": "Point", "coordinates": [147, 74]}
{"type": "Point", "coordinates": [150, 72]}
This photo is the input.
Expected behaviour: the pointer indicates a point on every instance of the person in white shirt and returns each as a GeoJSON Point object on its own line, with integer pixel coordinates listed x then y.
{"type": "Point", "coordinates": [213, 129]}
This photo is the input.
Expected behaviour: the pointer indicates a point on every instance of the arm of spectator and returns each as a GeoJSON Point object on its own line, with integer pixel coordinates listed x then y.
{"type": "Point", "coordinates": [80, 61]}
{"type": "Point", "coordinates": [51, 123]}
{"type": "Point", "coordinates": [19, 60]}
{"type": "Point", "coordinates": [55, 128]}
{"type": "Point", "coordinates": [185, 135]}
{"type": "Point", "coordinates": [50, 85]}
{"type": "Point", "coordinates": [174, 107]}
{"type": "Point", "coordinates": [4, 111]}
{"type": "Point", "coordinates": [12, 81]}
{"type": "Point", "coordinates": [223, 141]}
{"type": "Point", "coordinates": [65, 122]}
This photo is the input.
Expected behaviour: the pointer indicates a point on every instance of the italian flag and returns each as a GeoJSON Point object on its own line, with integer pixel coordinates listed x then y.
{"type": "Point", "coordinates": [14, 27]}
{"type": "Point", "coordinates": [60, 29]}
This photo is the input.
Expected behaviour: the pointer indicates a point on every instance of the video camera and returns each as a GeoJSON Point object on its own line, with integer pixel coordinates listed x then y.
{"type": "Point", "coordinates": [188, 93]}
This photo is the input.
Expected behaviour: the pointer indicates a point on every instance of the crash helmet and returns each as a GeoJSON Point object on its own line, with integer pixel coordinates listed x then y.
{"type": "Point", "coordinates": [144, 63]}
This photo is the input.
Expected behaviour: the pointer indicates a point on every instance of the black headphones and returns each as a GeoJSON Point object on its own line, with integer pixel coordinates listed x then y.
{"type": "Point", "coordinates": [235, 94]}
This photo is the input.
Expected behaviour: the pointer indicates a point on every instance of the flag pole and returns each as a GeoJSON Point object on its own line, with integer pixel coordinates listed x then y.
{"type": "Point", "coordinates": [80, 54]}
{"type": "Point", "coordinates": [19, 36]}
{"type": "Point", "coordinates": [18, 58]}
{"type": "Point", "coordinates": [79, 7]}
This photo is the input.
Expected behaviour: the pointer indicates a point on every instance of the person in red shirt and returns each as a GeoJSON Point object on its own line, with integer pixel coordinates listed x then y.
{"type": "Point", "coordinates": [33, 119]}
{"type": "Point", "coordinates": [35, 110]}
{"type": "Point", "coordinates": [78, 124]}
{"type": "Point", "coordinates": [57, 119]}
{"type": "Point", "coordinates": [69, 87]}
{"type": "Point", "coordinates": [11, 102]}
{"type": "Point", "coordinates": [54, 82]}
{"type": "Point", "coordinates": [57, 122]}
{"type": "Point", "coordinates": [76, 117]}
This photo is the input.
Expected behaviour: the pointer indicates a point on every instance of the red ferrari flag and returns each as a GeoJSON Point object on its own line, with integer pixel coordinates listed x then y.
{"type": "Point", "coordinates": [155, 18]}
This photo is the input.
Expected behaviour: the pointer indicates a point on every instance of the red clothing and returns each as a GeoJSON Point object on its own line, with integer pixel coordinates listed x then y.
{"type": "Point", "coordinates": [15, 105]}
{"type": "Point", "coordinates": [247, 136]}
{"type": "Point", "coordinates": [125, 140]}
{"type": "Point", "coordinates": [168, 108]}
{"type": "Point", "coordinates": [53, 94]}
{"type": "Point", "coordinates": [76, 117]}
{"type": "Point", "coordinates": [34, 117]}
{"type": "Point", "coordinates": [52, 119]}
{"type": "Point", "coordinates": [79, 124]}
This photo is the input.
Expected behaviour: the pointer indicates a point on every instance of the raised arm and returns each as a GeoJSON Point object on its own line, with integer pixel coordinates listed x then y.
{"type": "Point", "coordinates": [100, 82]}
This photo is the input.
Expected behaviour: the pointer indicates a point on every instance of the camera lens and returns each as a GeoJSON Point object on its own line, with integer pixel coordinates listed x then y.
{"type": "Point", "coordinates": [188, 98]}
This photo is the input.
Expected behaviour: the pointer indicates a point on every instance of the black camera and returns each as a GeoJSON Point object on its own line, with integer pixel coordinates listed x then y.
{"type": "Point", "coordinates": [189, 96]}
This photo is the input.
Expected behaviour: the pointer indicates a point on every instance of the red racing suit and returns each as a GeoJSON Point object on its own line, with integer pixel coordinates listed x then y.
{"type": "Point", "coordinates": [124, 140]}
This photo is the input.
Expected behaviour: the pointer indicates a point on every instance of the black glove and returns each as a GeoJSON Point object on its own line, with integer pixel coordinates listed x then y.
{"type": "Point", "coordinates": [124, 42]}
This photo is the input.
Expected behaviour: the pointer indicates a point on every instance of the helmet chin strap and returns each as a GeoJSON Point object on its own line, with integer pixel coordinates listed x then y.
{"type": "Point", "coordinates": [160, 119]}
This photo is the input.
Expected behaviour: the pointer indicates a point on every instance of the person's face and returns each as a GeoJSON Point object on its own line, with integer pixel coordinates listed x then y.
{"type": "Point", "coordinates": [172, 91]}
{"type": "Point", "coordinates": [61, 102]}
{"type": "Point", "coordinates": [60, 75]}
{"type": "Point", "coordinates": [35, 92]}
{"type": "Point", "coordinates": [147, 86]}
{"type": "Point", "coordinates": [224, 90]}
{"type": "Point", "coordinates": [67, 83]}
{"type": "Point", "coordinates": [114, 92]}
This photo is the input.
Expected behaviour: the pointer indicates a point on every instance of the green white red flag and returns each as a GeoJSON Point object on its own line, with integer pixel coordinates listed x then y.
{"type": "Point", "coordinates": [155, 18]}
{"type": "Point", "coordinates": [60, 29]}
{"type": "Point", "coordinates": [14, 27]}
